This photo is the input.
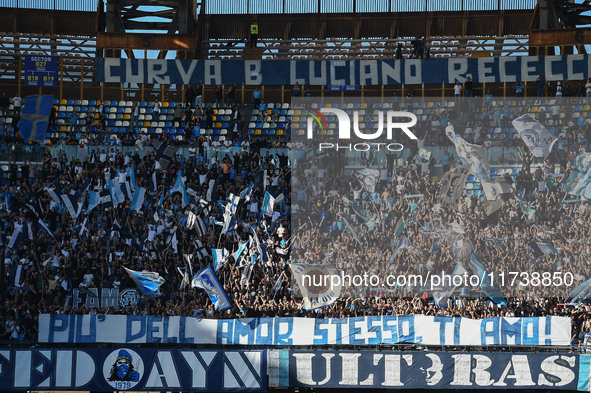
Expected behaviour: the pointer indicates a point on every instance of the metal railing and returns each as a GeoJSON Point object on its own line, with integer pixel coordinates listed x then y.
{"type": "Point", "coordinates": [217, 7]}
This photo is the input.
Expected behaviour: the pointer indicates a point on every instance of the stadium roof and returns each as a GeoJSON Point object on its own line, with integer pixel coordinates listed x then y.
{"type": "Point", "coordinates": [303, 6]}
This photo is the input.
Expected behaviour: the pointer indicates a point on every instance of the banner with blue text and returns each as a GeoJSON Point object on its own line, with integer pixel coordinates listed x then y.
{"type": "Point", "coordinates": [123, 368]}
{"type": "Point", "coordinates": [386, 329]}
{"type": "Point", "coordinates": [343, 72]}
{"type": "Point", "coordinates": [428, 370]}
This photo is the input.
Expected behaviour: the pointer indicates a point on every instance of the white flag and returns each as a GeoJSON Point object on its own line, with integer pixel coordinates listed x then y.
{"type": "Point", "coordinates": [535, 136]}
{"type": "Point", "coordinates": [320, 285]}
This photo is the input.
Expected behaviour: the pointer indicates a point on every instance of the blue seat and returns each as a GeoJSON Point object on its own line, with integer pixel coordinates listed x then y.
{"type": "Point", "coordinates": [168, 124]}
{"type": "Point", "coordinates": [120, 109]}
{"type": "Point", "coordinates": [56, 101]}
{"type": "Point", "coordinates": [61, 115]}
{"type": "Point", "coordinates": [143, 104]}
{"type": "Point", "coordinates": [92, 103]}
{"type": "Point", "coordinates": [84, 109]}
{"type": "Point", "coordinates": [70, 102]}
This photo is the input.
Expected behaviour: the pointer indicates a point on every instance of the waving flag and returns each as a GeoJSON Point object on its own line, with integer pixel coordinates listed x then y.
{"type": "Point", "coordinates": [452, 185]}
{"type": "Point", "coordinates": [579, 180]}
{"type": "Point", "coordinates": [368, 178]}
{"type": "Point", "coordinates": [368, 218]}
{"type": "Point", "coordinates": [179, 186]}
{"type": "Point", "coordinates": [200, 249]}
{"type": "Point", "coordinates": [279, 281]}
{"type": "Point", "coordinates": [138, 199]}
{"type": "Point", "coordinates": [350, 228]}
{"type": "Point", "coordinates": [493, 189]}
{"type": "Point", "coordinates": [207, 280]}
{"type": "Point", "coordinates": [268, 203]}
{"type": "Point", "coordinates": [247, 192]}
{"type": "Point", "coordinates": [164, 153]}
{"type": "Point", "coordinates": [185, 281]}
{"type": "Point", "coordinates": [83, 228]}
{"type": "Point", "coordinates": [540, 249]}
{"type": "Point", "coordinates": [147, 282]}
{"type": "Point", "coordinates": [241, 247]}
{"type": "Point", "coordinates": [93, 201]}
{"type": "Point", "coordinates": [117, 195]}
{"type": "Point", "coordinates": [231, 205]}
{"type": "Point", "coordinates": [71, 203]}
{"type": "Point", "coordinates": [485, 285]}
{"type": "Point", "coordinates": [470, 154]}
{"type": "Point", "coordinates": [402, 244]}
{"type": "Point", "coordinates": [315, 291]}
{"type": "Point", "coordinates": [35, 118]}
{"type": "Point", "coordinates": [581, 293]}
{"type": "Point", "coordinates": [220, 256]}
{"type": "Point", "coordinates": [535, 136]}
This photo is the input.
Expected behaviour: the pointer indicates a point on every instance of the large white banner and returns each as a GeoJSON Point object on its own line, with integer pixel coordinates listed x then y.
{"type": "Point", "coordinates": [386, 329]}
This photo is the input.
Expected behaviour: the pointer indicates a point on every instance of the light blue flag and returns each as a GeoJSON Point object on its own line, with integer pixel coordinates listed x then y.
{"type": "Point", "coordinates": [579, 180]}
{"type": "Point", "coordinates": [207, 280]}
{"type": "Point", "coordinates": [240, 250]}
{"type": "Point", "coordinates": [93, 201]}
{"type": "Point", "coordinates": [485, 285]}
{"type": "Point", "coordinates": [580, 293]}
{"type": "Point", "coordinates": [179, 186]}
{"type": "Point", "coordinates": [117, 195]}
{"type": "Point", "coordinates": [147, 282]}
{"type": "Point", "coordinates": [247, 192]}
{"type": "Point", "coordinates": [402, 244]}
{"type": "Point", "coordinates": [470, 154]}
{"type": "Point", "coordinates": [268, 203]}
{"type": "Point", "coordinates": [220, 256]}
{"type": "Point", "coordinates": [138, 199]}
{"type": "Point", "coordinates": [131, 174]}
{"type": "Point", "coordinates": [35, 118]}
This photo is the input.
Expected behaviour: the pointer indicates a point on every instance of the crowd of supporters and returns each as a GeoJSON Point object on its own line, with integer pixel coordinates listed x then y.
{"type": "Point", "coordinates": [43, 268]}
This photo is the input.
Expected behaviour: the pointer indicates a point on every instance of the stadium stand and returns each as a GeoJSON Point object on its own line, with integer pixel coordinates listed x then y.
{"type": "Point", "coordinates": [156, 230]}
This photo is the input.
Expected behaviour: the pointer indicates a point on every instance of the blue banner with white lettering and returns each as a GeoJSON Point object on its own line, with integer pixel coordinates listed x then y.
{"type": "Point", "coordinates": [371, 330]}
{"type": "Point", "coordinates": [343, 72]}
{"type": "Point", "coordinates": [428, 370]}
{"type": "Point", "coordinates": [126, 368]}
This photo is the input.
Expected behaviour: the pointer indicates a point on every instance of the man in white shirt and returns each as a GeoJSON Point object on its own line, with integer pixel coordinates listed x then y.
{"type": "Point", "coordinates": [17, 103]}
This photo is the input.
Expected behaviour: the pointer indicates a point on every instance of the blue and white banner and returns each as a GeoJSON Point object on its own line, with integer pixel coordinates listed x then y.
{"type": "Point", "coordinates": [138, 199]}
{"type": "Point", "coordinates": [268, 204]}
{"type": "Point", "coordinates": [35, 118]}
{"type": "Point", "coordinates": [579, 180]}
{"type": "Point", "coordinates": [207, 280]}
{"type": "Point", "coordinates": [343, 72]}
{"type": "Point", "coordinates": [110, 369]}
{"type": "Point", "coordinates": [147, 282]}
{"type": "Point", "coordinates": [428, 370]}
{"type": "Point", "coordinates": [535, 136]}
{"type": "Point", "coordinates": [386, 329]}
